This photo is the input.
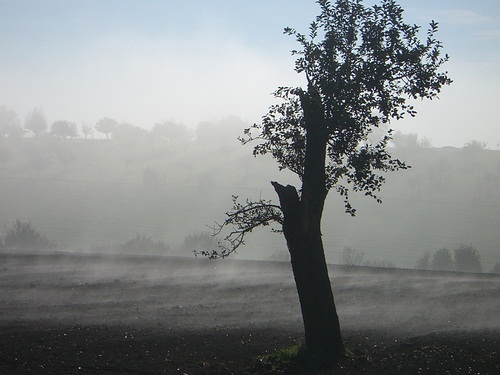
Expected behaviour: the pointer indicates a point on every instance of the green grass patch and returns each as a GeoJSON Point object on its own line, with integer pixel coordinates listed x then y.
{"type": "Point", "coordinates": [295, 359]}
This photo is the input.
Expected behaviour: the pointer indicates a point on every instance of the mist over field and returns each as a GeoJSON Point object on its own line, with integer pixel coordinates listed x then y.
{"type": "Point", "coordinates": [91, 194]}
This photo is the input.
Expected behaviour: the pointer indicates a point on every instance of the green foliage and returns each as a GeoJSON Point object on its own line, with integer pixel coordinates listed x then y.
{"type": "Point", "coordinates": [295, 359]}
{"type": "Point", "coordinates": [22, 236]}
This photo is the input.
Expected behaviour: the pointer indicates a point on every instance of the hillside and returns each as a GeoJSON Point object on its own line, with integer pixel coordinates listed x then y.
{"type": "Point", "coordinates": [84, 193]}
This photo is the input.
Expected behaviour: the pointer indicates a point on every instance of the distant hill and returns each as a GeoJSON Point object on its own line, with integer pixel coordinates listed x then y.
{"type": "Point", "coordinates": [84, 193]}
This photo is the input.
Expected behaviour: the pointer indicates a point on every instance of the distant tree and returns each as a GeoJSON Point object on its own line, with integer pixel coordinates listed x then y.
{"type": "Point", "coordinates": [351, 257]}
{"type": "Point", "coordinates": [143, 244]}
{"type": "Point", "coordinates": [410, 142]}
{"type": "Point", "coordinates": [380, 263]}
{"type": "Point", "coordinates": [475, 146]}
{"type": "Point", "coordinates": [87, 130]}
{"type": "Point", "coordinates": [64, 129]}
{"type": "Point", "coordinates": [9, 123]}
{"type": "Point", "coordinates": [424, 263]}
{"type": "Point", "coordinates": [22, 236]}
{"type": "Point", "coordinates": [128, 131]}
{"type": "Point", "coordinates": [106, 126]}
{"type": "Point", "coordinates": [467, 259]}
{"type": "Point", "coordinates": [442, 260]}
{"type": "Point", "coordinates": [171, 131]}
{"type": "Point", "coordinates": [200, 240]}
{"type": "Point", "coordinates": [496, 268]}
{"type": "Point", "coordinates": [359, 76]}
{"type": "Point", "coordinates": [36, 122]}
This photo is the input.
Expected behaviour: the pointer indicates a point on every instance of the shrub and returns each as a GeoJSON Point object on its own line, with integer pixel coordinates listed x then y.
{"type": "Point", "coordinates": [200, 241]}
{"type": "Point", "coordinates": [22, 236]}
{"type": "Point", "coordinates": [380, 263]}
{"type": "Point", "coordinates": [467, 259]}
{"type": "Point", "coordinates": [351, 257]}
{"type": "Point", "coordinates": [144, 244]}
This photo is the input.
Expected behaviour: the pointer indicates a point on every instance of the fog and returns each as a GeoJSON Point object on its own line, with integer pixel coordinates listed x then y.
{"type": "Point", "coordinates": [91, 195]}
{"type": "Point", "coordinates": [178, 294]}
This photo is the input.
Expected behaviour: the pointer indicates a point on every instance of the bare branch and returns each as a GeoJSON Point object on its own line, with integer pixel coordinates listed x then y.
{"type": "Point", "coordinates": [242, 219]}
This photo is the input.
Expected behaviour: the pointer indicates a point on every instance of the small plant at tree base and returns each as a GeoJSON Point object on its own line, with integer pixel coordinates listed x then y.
{"type": "Point", "coordinates": [22, 236]}
{"type": "Point", "coordinates": [295, 359]}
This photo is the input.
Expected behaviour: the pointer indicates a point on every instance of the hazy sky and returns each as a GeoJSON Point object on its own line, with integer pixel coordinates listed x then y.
{"type": "Point", "coordinates": [144, 61]}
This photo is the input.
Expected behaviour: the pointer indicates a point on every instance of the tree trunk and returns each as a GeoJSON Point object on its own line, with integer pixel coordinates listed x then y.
{"type": "Point", "coordinates": [321, 324]}
{"type": "Point", "coordinates": [302, 230]}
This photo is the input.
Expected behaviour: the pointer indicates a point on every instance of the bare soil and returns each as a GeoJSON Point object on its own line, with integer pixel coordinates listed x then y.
{"type": "Point", "coordinates": [96, 314]}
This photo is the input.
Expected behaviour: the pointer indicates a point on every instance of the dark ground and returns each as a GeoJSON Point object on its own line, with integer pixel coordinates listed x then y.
{"type": "Point", "coordinates": [63, 314]}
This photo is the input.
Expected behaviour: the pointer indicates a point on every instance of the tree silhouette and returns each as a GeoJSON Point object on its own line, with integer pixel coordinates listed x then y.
{"type": "Point", "coordinates": [36, 122]}
{"type": "Point", "coordinates": [9, 123]}
{"type": "Point", "coordinates": [64, 129]}
{"type": "Point", "coordinates": [362, 74]}
{"type": "Point", "coordinates": [442, 260]}
{"type": "Point", "coordinates": [106, 125]}
{"type": "Point", "coordinates": [467, 259]}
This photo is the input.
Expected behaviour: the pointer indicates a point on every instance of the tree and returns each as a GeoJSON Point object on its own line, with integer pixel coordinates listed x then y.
{"type": "Point", "coordinates": [36, 122]}
{"type": "Point", "coordinates": [106, 125]}
{"type": "Point", "coordinates": [128, 131]}
{"type": "Point", "coordinates": [424, 263]}
{"type": "Point", "coordinates": [22, 236]}
{"type": "Point", "coordinates": [64, 129]}
{"type": "Point", "coordinates": [365, 72]}
{"type": "Point", "coordinates": [496, 268]}
{"type": "Point", "coordinates": [467, 259]}
{"type": "Point", "coordinates": [9, 123]}
{"type": "Point", "coordinates": [173, 132]}
{"type": "Point", "coordinates": [442, 260]}
{"type": "Point", "coordinates": [86, 130]}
